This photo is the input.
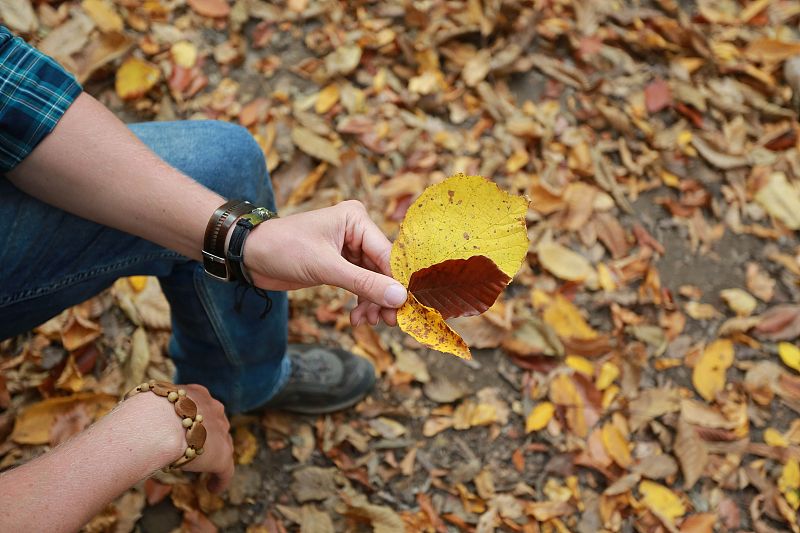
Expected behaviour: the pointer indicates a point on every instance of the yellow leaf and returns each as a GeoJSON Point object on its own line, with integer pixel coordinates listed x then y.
{"type": "Point", "coordinates": [245, 445]}
{"type": "Point", "coordinates": [103, 14]}
{"type": "Point", "coordinates": [138, 283]}
{"type": "Point", "coordinates": [616, 445]}
{"type": "Point", "coordinates": [708, 376]}
{"type": "Point", "coordinates": [33, 423]}
{"type": "Point", "coordinates": [539, 417]}
{"type": "Point", "coordinates": [773, 437]}
{"type": "Point", "coordinates": [184, 54]}
{"type": "Point", "coordinates": [428, 327]}
{"type": "Point", "coordinates": [790, 476]}
{"type": "Point", "coordinates": [459, 218]}
{"type": "Point", "coordinates": [517, 160]}
{"type": "Point", "coordinates": [606, 278]}
{"type": "Point", "coordinates": [567, 320]}
{"type": "Point", "coordinates": [581, 364]}
{"type": "Point", "coordinates": [662, 501]}
{"type": "Point", "coordinates": [327, 98]}
{"type": "Point", "coordinates": [463, 218]}
{"type": "Point", "coordinates": [740, 301]}
{"type": "Point", "coordinates": [135, 77]}
{"type": "Point", "coordinates": [781, 200]}
{"type": "Point", "coordinates": [789, 354]}
{"type": "Point", "coordinates": [608, 373]}
{"type": "Point", "coordinates": [564, 263]}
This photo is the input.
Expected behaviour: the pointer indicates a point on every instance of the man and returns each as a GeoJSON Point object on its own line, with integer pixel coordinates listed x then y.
{"type": "Point", "coordinates": [85, 200]}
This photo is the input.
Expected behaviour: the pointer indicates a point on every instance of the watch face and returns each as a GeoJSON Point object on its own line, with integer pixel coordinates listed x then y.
{"type": "Point", "coordinates": [263, 212]}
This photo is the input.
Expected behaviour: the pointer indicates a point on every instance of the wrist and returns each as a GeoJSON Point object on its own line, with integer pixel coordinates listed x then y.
{"type": "Point", "coordinates": [154, 417]}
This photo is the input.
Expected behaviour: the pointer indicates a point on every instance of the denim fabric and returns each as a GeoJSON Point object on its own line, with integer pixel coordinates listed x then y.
{"type": "Point", "coordinates": [50, 260]}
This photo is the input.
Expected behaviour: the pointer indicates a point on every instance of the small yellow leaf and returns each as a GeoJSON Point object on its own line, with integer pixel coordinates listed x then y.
{"type": "Point", "coordinates": [662, 501]}
{"type": "Point", "coordinates": [790, 355]}
{"type": "Point", "coordinates": [245, 445]}
{"type": "Point", "coordinates": [539, 417]}
{"type": "Point", "coordinates": [103, 14]}
{"type": "Point", "coordinates": [740, 301]}
{"type": "Point", "coordinates": [184, 54]}
{"type": "Point", "coordinates": [135, 77]}
{"type": "Point", "coordinates": [773, 437]}
{"type": "Point", "coordinates": [138, 283]}
{"type": "Point", "coordinates": [616, 445]}
{"type": "Point", "coordinates": [790, 476]}
{"type": "Point", "coordinates": [517, 160]}
{"type": "Point", "coordinates": [327, 98]}
{"type": "Point", "coordinates": [708, 376]}
{"type": "Point", "coordinates": [567, 320]}
{"type": "Point", "coordinates": [608, 373]}
{"type": "Point", "coordinates": [606, 278]}
{"type": "Point", "coordinates": [580, 364]}
{"type": "Point", "coordinates": [564, 263]}
{"type": "Point", "coordinates": [428, 327]}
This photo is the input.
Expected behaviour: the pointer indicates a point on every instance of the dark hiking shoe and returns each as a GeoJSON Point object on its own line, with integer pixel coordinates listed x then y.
{"type": "Point", "coordinates": [323, 380]}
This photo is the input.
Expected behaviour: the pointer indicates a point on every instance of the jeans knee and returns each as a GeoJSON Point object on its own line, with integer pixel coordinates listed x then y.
{"type": "Point", "coordinates": [247, 176]}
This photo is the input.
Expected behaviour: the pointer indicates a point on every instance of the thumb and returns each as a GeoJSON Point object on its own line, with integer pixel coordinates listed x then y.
{"type": "Point", "coordinates": [375, 287]}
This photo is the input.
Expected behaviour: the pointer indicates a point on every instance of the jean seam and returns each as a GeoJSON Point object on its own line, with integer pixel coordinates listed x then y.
{"type": "Point", "coordinates": [225, 342]}
{"type": "Point", "coordinates": [79, 277]}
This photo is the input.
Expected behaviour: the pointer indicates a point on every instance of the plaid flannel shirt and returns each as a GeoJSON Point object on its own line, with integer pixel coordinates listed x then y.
{"type": "Point", "coordinates": [35, 91]}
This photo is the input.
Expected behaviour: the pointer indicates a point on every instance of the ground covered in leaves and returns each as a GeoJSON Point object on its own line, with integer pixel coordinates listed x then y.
{"type": "Point", "coordinates": [640, 372]}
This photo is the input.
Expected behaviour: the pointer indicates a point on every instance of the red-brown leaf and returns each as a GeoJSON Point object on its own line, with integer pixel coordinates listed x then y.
{"type": "Point", "coordinates": [657, 96]}
{"type": "Point", "coordinates": [459, 287]}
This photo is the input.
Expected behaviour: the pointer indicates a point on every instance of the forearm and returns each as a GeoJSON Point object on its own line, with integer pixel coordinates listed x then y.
{"type": "Point", "coordinates": [91, 165]}
{"type": "Point", "coordinates": [63, 489]}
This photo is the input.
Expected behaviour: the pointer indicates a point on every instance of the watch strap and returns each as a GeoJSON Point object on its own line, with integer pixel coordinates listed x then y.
{"type": "Point", "coordinates": [219, 225]}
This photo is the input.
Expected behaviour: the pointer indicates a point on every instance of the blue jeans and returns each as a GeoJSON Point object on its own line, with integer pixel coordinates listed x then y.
{"type": "Point", "coordinates": [50, 260]}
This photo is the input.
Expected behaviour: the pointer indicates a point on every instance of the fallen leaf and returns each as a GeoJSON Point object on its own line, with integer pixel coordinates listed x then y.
{"type": "Point", "coordinates": [343, 60]}
{"type": "Point", "coordinates": [771, 50]}
{"type": "Point", "coordinates": [740, 301]}
{"type": "Point", "coordinates": [564, 263]}
{"type": "Point", "coordinates": [539, 417]}
{"type": "Point", "coordinates": [790, 355]}
{"type": "Point", "coordinates": [18, 15]}
{"type": "Point", "coordinates": [661, 500]}
{"type": "Point", "coordinates": [327, 98]}
{"type": "Point", "coordinates": [692, 453]}
{"type": "Point", "coordinates": [34, 422]}
{"type": "Point", "coordinates": [781, 200]}
{"type": "Point", "coordinates": [315, 145]}
{"type": "Point", "coordinates": [566, 319]}
{"type": "Point", "coordinates": [708, 375]}
{"type": "Point", "coordinates": [779, 323]}
{"type": "Point", "coordinates": [616, 445]}
{"type": "Point", "coordinates": [312, 520]}
{"type": "Point", "coordinates": [210, 8]}
{"type": "Point", "coordinates": [759, 282]}
{"type": "Point", "coordinates": [428, 327]}
{"type": "Point", "coordinates": [657, 96]}
{"type": "Point", "coordinates": [103, 14]}
{"type": "Point", "coordinates": [699, 523]}
{"type": "Point", "coordinates": [245, 445]}
{"type": "Point", "coordinates": [69, 423]}
{"type": "Point", "coordinates": [135, 77]}
{"type": "Point", "coordinates": [138, 359]}
{"type": "Point", "coordinates": [78, 331]}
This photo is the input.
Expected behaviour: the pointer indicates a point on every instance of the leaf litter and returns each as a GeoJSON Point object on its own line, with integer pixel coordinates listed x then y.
{"type": "Point", "coordinates": [640, 370]}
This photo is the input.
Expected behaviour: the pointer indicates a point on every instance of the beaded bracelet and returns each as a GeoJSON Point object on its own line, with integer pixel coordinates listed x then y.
{"type": "Point", "coordinates": [186, 409]}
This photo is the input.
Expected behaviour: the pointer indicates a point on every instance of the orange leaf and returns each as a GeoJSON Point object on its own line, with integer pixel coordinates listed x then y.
{"type": "Point", "coordinates": [211, 8]}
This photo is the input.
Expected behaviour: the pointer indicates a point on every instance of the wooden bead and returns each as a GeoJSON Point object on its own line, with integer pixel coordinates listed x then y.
{"type": "Point", "coordinates": [144, 387]}
{"type": "Point", "coordinates": [196, 436]}
{"type": "Point", "coordinates": [199, 417]}
{"type": "Point", "coordinates": [189, 453]}
{"type": "Point", "coordinates": [181, 392]}
{"type": "Point", "coordinates": [162, 388]}
{"type": "Point", "coordinates": [172, 396]}
{"type": "Point", "coordinates": [185, 407]}
{"type": "Point", "coordinates": [200, 451]}
{"type": "Point", "coordinates": [187, 423]}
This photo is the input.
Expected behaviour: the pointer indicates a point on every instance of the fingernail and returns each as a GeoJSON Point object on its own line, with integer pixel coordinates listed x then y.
{"type": "Point", "coordinates": [395, 295]}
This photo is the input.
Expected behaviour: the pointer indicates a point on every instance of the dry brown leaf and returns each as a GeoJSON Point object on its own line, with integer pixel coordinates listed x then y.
{"type": "Point", "coordinates": [315, 145]}
{"type": "Point", "coordinates": [210, 8]}
{"type": "Point", "coordinates": [692, 453]}
{"type": "Point", "coordinates": [34, 422]}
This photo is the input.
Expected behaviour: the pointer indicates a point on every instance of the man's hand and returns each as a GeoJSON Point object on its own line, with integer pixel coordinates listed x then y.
{"type": "Point", "coordinates": [337, 245]}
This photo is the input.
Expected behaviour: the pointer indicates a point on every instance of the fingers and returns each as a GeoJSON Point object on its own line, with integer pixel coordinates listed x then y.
{"type": "Point", "coordinates": [374, 245]}
{"type": "Point", "coordinates": [389, 316]}
{"type": "Point", "coordinates": [221, 480]}
{"type": "Point", "coordinates": [372, 286]}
